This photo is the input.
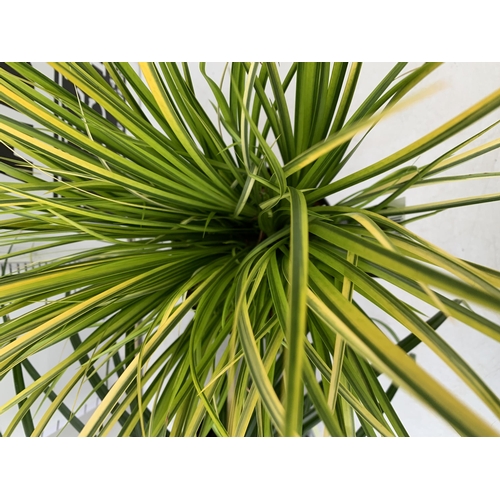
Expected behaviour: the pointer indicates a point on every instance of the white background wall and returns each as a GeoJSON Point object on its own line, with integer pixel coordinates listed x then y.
{"type": "Point", "coordinates": [471, 233]}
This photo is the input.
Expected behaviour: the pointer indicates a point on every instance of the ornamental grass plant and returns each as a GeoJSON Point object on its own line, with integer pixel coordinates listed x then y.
{"type": "Point", "coordinates": [221, 290]}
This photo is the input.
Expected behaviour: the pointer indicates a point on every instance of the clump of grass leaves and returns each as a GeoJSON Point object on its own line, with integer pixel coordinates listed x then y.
{"type": "Point", "coordinates": [219, 299]}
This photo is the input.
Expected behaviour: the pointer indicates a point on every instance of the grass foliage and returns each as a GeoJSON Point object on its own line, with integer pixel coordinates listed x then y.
{"type": "Point", "coordinates": [221, 297]}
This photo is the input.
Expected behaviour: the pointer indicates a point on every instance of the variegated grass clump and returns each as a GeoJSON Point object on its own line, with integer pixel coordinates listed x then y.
{"type": "Point", "coordinates": [222, 294]}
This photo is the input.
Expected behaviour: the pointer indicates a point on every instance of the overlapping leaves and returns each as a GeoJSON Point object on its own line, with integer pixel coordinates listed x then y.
{"type": "Point", "coordinates": [223, 291]}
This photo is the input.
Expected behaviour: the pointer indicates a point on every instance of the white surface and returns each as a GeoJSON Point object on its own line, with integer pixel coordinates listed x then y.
{"type": "Point", "coordinates": [471, 233]}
